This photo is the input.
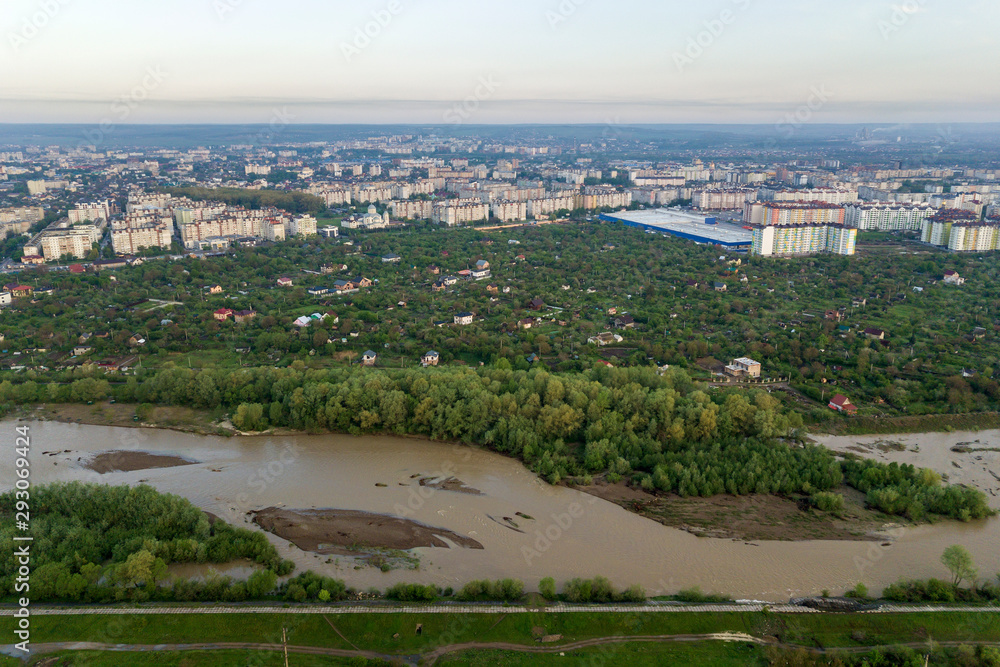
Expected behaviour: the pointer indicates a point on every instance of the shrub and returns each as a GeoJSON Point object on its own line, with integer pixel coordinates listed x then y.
{"type": "Point", "coordinates": [826, 501]}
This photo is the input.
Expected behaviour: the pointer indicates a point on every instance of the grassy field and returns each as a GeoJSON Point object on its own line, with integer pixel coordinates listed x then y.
{"type": "Point", "coordinates": [377, 632]}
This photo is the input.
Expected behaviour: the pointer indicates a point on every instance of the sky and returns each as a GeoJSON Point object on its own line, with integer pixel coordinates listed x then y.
{"type": "Point", "coordinates": [515, 61]}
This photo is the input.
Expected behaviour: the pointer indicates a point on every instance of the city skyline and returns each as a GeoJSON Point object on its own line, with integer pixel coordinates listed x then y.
{"type": "Point", "coordinates": [575, 61]}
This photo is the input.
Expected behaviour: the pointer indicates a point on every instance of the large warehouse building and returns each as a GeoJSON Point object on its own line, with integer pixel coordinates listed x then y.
{"type": "Point", "coordinates": [690, 226]}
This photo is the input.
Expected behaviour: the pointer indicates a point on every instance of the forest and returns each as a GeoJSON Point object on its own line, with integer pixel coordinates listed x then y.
{"type": "Point", "coordinates": [293, 202]}
{"type": "Point", "coordinates": [658, 430]}
{"type": "Point", "coordinates": [803, 319]}
{"type": "Point", "coordinates": [97, 543]}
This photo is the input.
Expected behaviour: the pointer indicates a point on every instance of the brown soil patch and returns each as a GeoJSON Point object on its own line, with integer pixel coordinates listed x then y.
{"type": "Point", "coordinates": [120, 461]}
{"type": "Point", "coordinates": [450, 484]}
{"type": "Point", "coordinates": [758, 517]}
{"type": "Point", "coordinates": [333, 531]}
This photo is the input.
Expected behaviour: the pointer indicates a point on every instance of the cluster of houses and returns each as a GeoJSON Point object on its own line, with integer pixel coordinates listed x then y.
{"type": "Point", "coordinates": [239, 316]}
{"type": "Point", "coordinates": [481, 271]}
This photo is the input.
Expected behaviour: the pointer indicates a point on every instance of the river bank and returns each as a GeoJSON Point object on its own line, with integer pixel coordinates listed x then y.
{"type": "Point", "coordinates": [528, 528]}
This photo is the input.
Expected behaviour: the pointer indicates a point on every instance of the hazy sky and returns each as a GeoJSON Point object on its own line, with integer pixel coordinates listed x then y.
{"type": "Point", "coordinates": [439, 61]}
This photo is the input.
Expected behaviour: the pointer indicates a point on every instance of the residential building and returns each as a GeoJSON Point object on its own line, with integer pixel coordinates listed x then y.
{"type": "Point", "coordinates": [887, 217]}
{"type": "Point", "coordinates": [90, 212]}
{"type": "Point", "coordinates": [430, 359]}
{"type": "Point", "coordinates": [937, 230]}
{"type": "Point", "coordinates": [952, 278]}
{"type": "Point", "coordinates": [744, 367]}
{"type": "Point", "coordinates": [803, 239]}
{"type": "Point", "coordinates": [841, 403]}
{"type": "Point", "coordinates": [793, 213]}
{"type": "Point", "coordinates": [303, 225]}
{"type": "Point", "coordinates": [464, 319]}
{"type": "Point", "coordinates": [136, 232]}
{"type": "Point", "coordinates": [723, 199]}
{"type": "Point", "coordinates": [369, 358]}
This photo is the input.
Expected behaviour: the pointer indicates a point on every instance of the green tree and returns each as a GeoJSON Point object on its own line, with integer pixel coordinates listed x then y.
{"type": "Point", "coordinates": [958, 560]}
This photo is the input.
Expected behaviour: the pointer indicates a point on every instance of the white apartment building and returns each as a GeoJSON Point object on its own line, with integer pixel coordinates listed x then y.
{"type": "Point", "coordinates": [135, 233]}
{"type": "Point", "coordinates": [603, 198]}
{"type": "Point", "coordinates": [454, 212]}
{"type": "Point", "coordinates": [304, 225]}
{"type": "Point", "coordinates": [885, 217]}
{"type": "Point", "coordinates": [91, 212]}
{"type": "Point", "coordinates": [510, 211]}
{"type": "Point", "coordinates": [825, 195]}
{"type": "Point", "coordinates": [542, 208]}
{"type": "Point", "coordinates": [723, 200]}
{"type": "Point", "coordinates": [792, 240]}
{"type": "Point", "coordinates": [412, 210]}
{"type": "Point", "coordinates": [975, 237]}
{"type": "Point", "coordinates": [60, 239]}
{"type": "Point", "coordinates": [28, 214]}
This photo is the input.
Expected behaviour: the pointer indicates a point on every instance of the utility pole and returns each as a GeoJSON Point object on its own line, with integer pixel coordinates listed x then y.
{"type": "Point", "coordinates": [284, 642]}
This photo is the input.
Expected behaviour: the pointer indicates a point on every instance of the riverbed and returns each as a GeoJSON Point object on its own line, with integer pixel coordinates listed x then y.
{"type": "Point", "coordinates": [528, 529]}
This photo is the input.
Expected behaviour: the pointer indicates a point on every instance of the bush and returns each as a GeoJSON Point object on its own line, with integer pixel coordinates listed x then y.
{"type": "Point", "coordinates": [412, 593]}
{"type": "Point", "coordinates": [826, 501]}
{"type": "Point", "coordinates": [859, 592]}
{"type": "Point", "coordinates": [547, 588]}
{"type": "Point", "coordinates": [504, 590]}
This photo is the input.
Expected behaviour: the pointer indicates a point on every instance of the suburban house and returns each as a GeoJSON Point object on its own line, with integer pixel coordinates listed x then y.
{"type": "Point", "coordinates": [833, 315]}
{"type": "Point", "coordinates": [136, 340]}
{"type": "Point", "coordinates": [369, 358]}
{"type": "Point", "coordinates": [244, 316]}
{"type": "Point", "coordinates": [979, 333]}
{"type": "Point", "coordinates": [720, 287]}
{"type": "Point", "coordinates": [303, 321]}
{"type": "Point", "coordinates": [859, 303]}
{"type": "Point", "coordinates": [526, 323]}
{"type": "Point", "coordinates": [285, 281]}
{"type": "Point", "coordinates": [482, 270]}
{"type": "Point", "coordinates": [344, 286]}
{"type": "Point", "coordinates": [875, 334]}
{"type": "Point", "coordinates": [213, 289]}
{"type": "Point", "coordinates": [319, 291]}
{"type": "Point", "coordinates": [952, 278]}
{"type": "Point", "coordinates": [493, 289]}
{"type": "Point", "coordinates": [448, 281]}
{"type": "Point", "coordinates": [606, 338]}
{"type": "Point", "coordinates": [391, 259]}
{"type": "Point", "coordinates": [77, 268]}
{"type": "Point", "coordinates": [464, 318]}
{"type": "Point", "coordinates": [20, 291]}
{"type": "Point", "coordinates": [841, 403]}
{"type": "Point", "coordinates": [536, 304]}
{"type": "Point", "coordinates": [624, 322]}
{"type": "Point", "coordinates": [434, 270]}
{"type": "Point", "coordinates": [32, 259]}
{"type": "Point", "coordinates": [743, 367]}
{"type": "Point", "coordinates": [430, 359]}
{"type": "Point", "coordinates": [533, 358]}
{"type": "Point", "coordinates": [81, 350]}
{"type": "Point", "coordinates": [438, 286]}
{"type": "Point", "coordinates": [222, 314]}
{"type": "Point", "coordinates": [361, 282]}
{"type": "Point", "coordinates": [6, 298]}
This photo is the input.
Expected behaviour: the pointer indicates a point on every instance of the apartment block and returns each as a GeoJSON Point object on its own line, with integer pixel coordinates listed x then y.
{"type": "Point", "coordinates": [803, 239]}
{"type": "Point", "coordinates": [136, 233]}
{"type": "Point", "coordinates": [793, 213]}
{"type": "Point", "coordinates": [886, 217]}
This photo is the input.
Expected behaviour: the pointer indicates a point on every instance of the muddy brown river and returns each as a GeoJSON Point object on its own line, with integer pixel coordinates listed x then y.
{"type": "Point", "coordinates": [554, 531]}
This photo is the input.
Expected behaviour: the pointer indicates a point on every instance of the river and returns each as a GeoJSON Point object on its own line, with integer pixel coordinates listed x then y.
{"type": "Point", "coordinates": [572, 534]}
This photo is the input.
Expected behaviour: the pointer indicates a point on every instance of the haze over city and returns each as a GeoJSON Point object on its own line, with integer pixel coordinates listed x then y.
{"type": "Point", "coordinates": [521, 61]}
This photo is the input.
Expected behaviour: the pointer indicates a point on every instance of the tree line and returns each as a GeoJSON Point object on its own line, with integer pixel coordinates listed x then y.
{"type": "Point", "coordinates": [97, 543]}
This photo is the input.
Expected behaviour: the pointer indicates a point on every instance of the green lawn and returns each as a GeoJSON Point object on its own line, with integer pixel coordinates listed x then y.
{"type": "Point", "coordinates": [375, 631]}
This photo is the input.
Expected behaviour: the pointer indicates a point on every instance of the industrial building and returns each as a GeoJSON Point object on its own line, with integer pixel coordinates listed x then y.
{"type": "Point", "coordinates": [689, 226]}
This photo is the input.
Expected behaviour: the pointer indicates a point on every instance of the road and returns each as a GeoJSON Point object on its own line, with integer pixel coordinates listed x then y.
{"type": "Point", "coordinates": [667, 608]}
